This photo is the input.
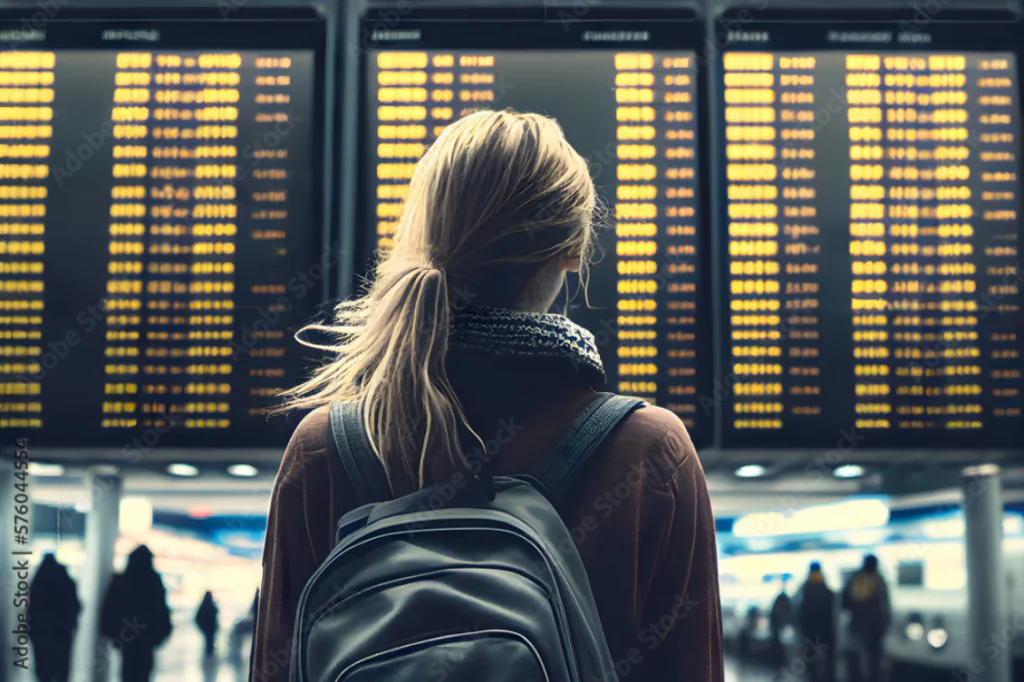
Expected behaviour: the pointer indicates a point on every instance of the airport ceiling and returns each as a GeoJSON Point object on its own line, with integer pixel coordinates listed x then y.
{"type": "Point", "coordinates": [908, 470]}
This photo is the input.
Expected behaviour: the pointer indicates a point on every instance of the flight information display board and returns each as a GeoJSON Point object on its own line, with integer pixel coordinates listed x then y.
{"type": "Point", "coordinates": [626, 96]}
{"type": "Point", "coordinates": [160, 229]}
{"type": "Point", "coordinates": [870, 231]}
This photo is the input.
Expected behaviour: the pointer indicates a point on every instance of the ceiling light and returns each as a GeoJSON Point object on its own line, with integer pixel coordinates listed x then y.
{"type": "Point", "coordinates": [937, 638]}
{"type": "Point", "coordinates": [243, 470]}
{"type": "Point", "coordinates": [981, 470]}
{"type": "Point", "coordinates": [915, 632]}
{"type": "Point", "coordinates": [42, 469]}
{"type": "Point", "coordinates": [848, 471]}
{"type": "Point", "coordinates": [182, 470]}
{"type": "Point", "coordinates": [750, 471]}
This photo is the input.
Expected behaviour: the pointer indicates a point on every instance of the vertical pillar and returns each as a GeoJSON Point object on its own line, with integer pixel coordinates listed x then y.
{"type": "Point", "coordinates": [987, 610]}
{"type": "Point", "coordinates": [89, 659]}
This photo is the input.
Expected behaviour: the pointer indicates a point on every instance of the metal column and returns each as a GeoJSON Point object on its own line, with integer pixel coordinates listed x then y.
{"type": "Point", "coordinates": [987, 610]}
{"type": "Point", "coordinates": [90, 657]}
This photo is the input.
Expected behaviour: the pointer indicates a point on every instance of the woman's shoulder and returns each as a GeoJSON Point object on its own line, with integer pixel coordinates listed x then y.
{"type": "Point", "coordinates": [658, 438]}
{"type": "Point", "coordinates": [311, 432]}
{"type": "Point", "coordinates": [308, 443]}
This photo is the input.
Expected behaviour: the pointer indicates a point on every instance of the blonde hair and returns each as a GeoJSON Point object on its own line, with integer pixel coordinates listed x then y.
{"type": "Point", "coordinates": [497, 197]}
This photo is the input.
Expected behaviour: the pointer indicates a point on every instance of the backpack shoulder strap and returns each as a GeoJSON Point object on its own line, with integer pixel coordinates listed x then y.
{"type": "Point", "coordinates": [588, 431]}
{"type": "Point", "coordinates": [366, 481]}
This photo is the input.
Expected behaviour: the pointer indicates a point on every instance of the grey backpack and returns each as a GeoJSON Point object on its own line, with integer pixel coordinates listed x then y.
{"type": "Point", "coordinates": [481, 590]}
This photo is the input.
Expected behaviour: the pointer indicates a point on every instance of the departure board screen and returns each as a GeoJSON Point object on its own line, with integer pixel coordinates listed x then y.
{"type": "Point", "coordinates": [628, 105]}
{"type": "Point", "coordinates": [160, 229]}
{"type": "Point", "coordinates": [870, 227]}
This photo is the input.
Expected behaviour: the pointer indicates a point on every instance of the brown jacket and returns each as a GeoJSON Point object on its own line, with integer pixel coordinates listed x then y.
{"type": "Point", "coordinates": [642, 520]}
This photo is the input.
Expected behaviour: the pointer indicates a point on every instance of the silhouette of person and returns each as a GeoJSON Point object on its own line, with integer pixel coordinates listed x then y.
{"type": "Point", "coordinates": [781, 615]}
{"type": "Point", "coordinates": [816, 619]}
{"type": "Point", "coordinates": [866, 597]}
{"type": "Point", "coordinates": [53, 616]}
{"type": "Point", "coordinates": [746, 647]}
{"type": "Point", "coordinates": [135, 615]}
{"type": "Point", "coordinates": [206, 620]}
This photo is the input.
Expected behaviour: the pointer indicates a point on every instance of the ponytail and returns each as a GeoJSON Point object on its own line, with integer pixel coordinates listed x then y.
{"type": "Point", "coordinates": [411, 409]}
{"type": "Point", "coordinates": [392, 357]}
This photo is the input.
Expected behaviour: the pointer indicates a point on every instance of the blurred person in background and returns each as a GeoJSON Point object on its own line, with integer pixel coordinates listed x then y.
{"type": "Point", "coordinates": [746, 643]}
{"type": "Point", "coordinates": [245, 625]}
{"type": "Point", "coordinates": [779, 619]}
{"type": "Point", "coordinates": [816, 619]}
{"type": "Point", "coordinates": [135, 616]}
{"type": "Point", "coordinates": [53, 616]}
{"type": "Point", "coordinates": [866, 597]}
{"type": "Point", "coordinates": [206, 620]}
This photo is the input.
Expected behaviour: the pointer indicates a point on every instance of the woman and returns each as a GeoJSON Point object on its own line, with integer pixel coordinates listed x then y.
{"type": "Point", "coordinates": [451, 348]}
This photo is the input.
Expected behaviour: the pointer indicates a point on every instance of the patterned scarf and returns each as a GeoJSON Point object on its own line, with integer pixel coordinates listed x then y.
{"type": "Point", "coordinates": [513, 333]}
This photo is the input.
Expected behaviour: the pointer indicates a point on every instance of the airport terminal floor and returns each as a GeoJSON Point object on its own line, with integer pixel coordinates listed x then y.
{"type": "Point", "coordinates": [182, 663]}
{"type": "Point", "coordinates": [183, 659]}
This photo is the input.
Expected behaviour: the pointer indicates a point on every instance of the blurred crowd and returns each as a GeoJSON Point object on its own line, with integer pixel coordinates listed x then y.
{"type": "Point", "coordinates": [803, 627]}
{"type": "Point", "coordinates": [135, 618]}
